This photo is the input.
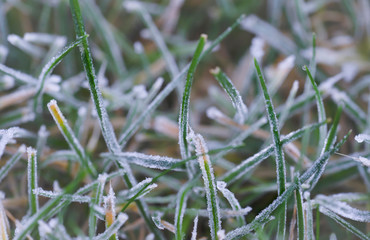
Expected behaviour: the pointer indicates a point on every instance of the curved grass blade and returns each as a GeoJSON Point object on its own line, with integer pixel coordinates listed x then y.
{"type": "Point", "coordinates": [184, 110]}
{"type": "Point", "coordinates": [236, 98]}
{"type": "Point", "coordinates": [48, 68]}
{"type": "Point", "coordinates": [320, 109]}
{"type": "Point", "coordinates": [279, 155]}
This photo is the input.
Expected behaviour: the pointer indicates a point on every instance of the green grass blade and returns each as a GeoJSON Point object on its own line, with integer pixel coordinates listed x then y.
{"type": "Point", "coordinates": [320, 109]}
{"type": "Point", "coordinates": [11, 162]}
{"type": "Point", "coordinates": [70, 137]}
{"type": "Point", "coordinates": [213, 207]}
{"type": "Point", "coordinates": [184, 110]}
{"type": "Point", "coordinates": [48, 68]}
{"type": "Point", "coordinates": [236, 98]}
{"type": "Point", "coordinates": [279, 155]}
{"type": "Point", "coordinates": [349, 227]}
{"type": "Point", "coordinates": [300, 216]}
{"type": "Point", "coordinates": [182, 197]}
{"type": "Point", "coordinates": [32, 180]}
{"type": "Point", "coordinates": [96, 202]}
{"type": "Point", "coordinates": [87, 62]}
{"type": "Point", "coordinates": [105, 124]}
{"type": "Point", "coordinates": [329, 142]}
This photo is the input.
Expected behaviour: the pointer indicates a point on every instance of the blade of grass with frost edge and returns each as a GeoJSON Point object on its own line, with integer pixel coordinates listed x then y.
{"type": "Point", "coordinates": [254, 160]}
{"type": "Point", "coordinates": [233, 93]}
{"type": "Point", "coordinates": [349, 227]}
{"type": "Point", "coordinates": [264, 215]}
{"type": "Point", "coordinates": [32, 180]}
{"type": "Point", "coordinates": [96, 202]}
{"type": "Point", "coordinates": [11, 162]}
{"type": "Point", "coordinates": [48, 68]}
{"type": "Point", "coordinates": [300, 216]}
{"type": "Point", "coordinates": [105, 124]}
{"type": "Point", "coordinates": [309, 217]}
{"type": "Point", "coordinates": [121, 219]}
{"type": "Point", "coordinates": [70, 137]}
{"type": "Point", "coordinates": [125, 195]}
{"type": "Point", "coordinates": [329, 141]}
{"type": "Point", "coordinates": [235, 205]}
{"type": "Point", "coordinates": [168, 89]}
{"type": "Point", "coordinates": [320, 109]}
{"type": "Point", "coordinates": [279, 155]}
{"type": "Point", "coordinates": [181, 163]}
{"type": "Point", "coordinates": [213, 207]}
{"type": "Point", "coordinates": [184, 110]}
{"type": "Point", "coordinates": [182, 197]}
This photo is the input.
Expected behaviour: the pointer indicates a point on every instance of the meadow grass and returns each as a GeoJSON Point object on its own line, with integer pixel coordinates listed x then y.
{"type": "Point", "coordinates": [184, 120]}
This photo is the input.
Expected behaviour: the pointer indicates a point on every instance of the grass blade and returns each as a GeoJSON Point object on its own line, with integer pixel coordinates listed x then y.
{"type": "Point", "coordinates": [184, 110]}
{"type": "Point", "coordinates": [182, 197]}
{"type": "Point", "coordinates": [279, 155]}
{"type": "Point", "coordinates": [300, 216]}
{"type": "Point", "coordinates": [11, 162]}
{"type": "Point", "coordinates": [329, 142]}
{"type": "Point", "coordinates": [105, 124]}
{"type": "Point", "coordinates": [213, 207]}
{"type": "Point", "coordinates": [320, 109]}
{"type": "Point", "coordinates": [236, 99]}
{"type": "Point", "coordinates": [235, 205]}
{"type": "Point", "coordinates": [349, 227]}
{"type": "Point", "coordinates": [102, 178]}
{"type": "Point", "coordinates": [48, 68]}
{"type": "Point", "coordinates": [70, 137]}
{"type": "Point", "coordinates": [32, 180]}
